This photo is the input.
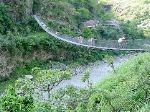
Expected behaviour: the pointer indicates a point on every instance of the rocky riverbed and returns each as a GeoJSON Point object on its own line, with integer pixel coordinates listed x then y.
{"type": "Point", "coordinates": [98, 71]}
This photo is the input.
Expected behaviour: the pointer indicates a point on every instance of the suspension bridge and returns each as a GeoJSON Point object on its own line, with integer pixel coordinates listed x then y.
{"type": "Point", "coordinates": [129, 45]}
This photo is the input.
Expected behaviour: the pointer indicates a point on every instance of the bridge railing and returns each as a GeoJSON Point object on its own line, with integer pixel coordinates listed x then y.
{"type": "Point", "coordinates": [137, 44]}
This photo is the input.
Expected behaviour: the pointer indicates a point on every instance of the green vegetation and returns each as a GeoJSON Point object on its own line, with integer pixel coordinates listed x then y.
{"type": "Point", "coordinates": [71, 23]}
{"type": "Point", "coordinates": [5, 19]}
{"type": "Point", "coordinates": [14, 103]}
{"type": "Point", "coordinates": [37, 49]}
{"type": "Point", "coordinates": [12, 26]}
{"type": "Point", "coordinates": [41, 45]}
{"type": "Point", "coordinates": [25, 49]}
{"type": "Point", "coordinates": [133, 10]}
{"type": "Point", "coordinates": [20, 70]}
{"type": "Point", "coordinates": [125, 90]}
{"type": "Point", "coordinates": [26, 45]}
{"type": "Point", "coordinates": [62, 15]}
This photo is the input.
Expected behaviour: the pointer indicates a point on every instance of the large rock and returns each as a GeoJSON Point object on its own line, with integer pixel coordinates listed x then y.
{"type": "Point", "coordinates": [30, 77]}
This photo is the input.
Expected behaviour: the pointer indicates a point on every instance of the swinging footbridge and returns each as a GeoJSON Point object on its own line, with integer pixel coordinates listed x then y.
{"type": "Point", "coordinates": [130, 45]}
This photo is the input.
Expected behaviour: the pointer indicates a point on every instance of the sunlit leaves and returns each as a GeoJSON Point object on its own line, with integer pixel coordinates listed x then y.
{"type": "Point", "coordinates": [12, 102]}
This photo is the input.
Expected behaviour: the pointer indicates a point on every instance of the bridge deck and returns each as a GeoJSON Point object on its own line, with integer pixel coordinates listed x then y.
{"type": "Point", "coordinates": [129, 45]}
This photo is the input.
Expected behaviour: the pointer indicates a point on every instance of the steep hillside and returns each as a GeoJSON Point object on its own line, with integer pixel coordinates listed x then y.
{"type": "Point", "coordinates": [134, 10]}
{"type": "Point", "coordinates": [86, 18]}
{"type": "Point", "coordinates": [21, 35]}
{"type": "Point", "coordinates": [28, 56]}
{"type": "Point", "coordinates": [22, 40]}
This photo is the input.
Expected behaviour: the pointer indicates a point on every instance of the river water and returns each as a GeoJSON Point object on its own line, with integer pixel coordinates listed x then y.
{"type": "Point", "coordinates": [98, 72]}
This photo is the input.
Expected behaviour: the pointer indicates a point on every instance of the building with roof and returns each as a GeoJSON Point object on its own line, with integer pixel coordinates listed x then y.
{"type": "Point", "coordinates": [91, 23]}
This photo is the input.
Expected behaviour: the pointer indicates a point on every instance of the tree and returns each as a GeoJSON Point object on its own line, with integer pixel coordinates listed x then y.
{"type": "Point", "coordinates": [85, 77]}
{"type": "Point", "coordinates": [46, 80]}
{"type": "Point", "coordinates": [83, 13]}
{"type": "Point", "coordinates": [6, 22]}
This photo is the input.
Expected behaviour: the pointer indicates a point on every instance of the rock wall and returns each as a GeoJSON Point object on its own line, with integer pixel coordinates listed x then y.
{"type": "Point", "coordinates": [6, 65]}
{"type": "Point", "coordinates": [9, 62]}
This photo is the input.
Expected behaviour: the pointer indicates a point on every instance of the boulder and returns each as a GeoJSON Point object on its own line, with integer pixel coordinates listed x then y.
{"type": "Point", "coordinates": [30, 77]}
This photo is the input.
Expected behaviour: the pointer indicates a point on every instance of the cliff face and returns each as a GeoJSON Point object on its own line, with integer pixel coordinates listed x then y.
{"type": "Point", "coordinates": [9, 62]}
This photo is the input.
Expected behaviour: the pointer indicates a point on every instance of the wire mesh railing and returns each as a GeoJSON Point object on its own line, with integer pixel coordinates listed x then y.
{"type": "Point", "coordinates": [128, 45]}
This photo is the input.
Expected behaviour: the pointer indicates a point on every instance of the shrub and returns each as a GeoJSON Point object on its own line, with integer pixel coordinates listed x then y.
{"type": "Point", "coordinates": [83, 13]}
{"type": "Point", "coordinates": [126, 90]}
{"type": "Point", "coordinates": [6, 22]}
{"type": "Point", "coordinates": [88, 33]}
{"type": "Point", "coordinates": [14, 103]}
{"type": "Point", "coordinates": [131, 30]}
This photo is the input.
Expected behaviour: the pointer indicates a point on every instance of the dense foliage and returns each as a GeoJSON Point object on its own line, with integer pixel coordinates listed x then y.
{"type": "Point", "coordinates": [6, 22]}
{"type": "Point", "coordinates": [35, 50]}
{"type": "Point", "coordinates": [126, 90]}
{"type": "Point", "coordinates": [17, 45]}
{"type": "Point", "coordinates": [133, 10]}
{"type": "Point", "coordinates": [72, 24]}
{"type": "Point", "coordinates": [15, 22]}
{"type": "Point", "coordinates": [14, 103]}
{"type": "Point", "coordinates": [66, 16]}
